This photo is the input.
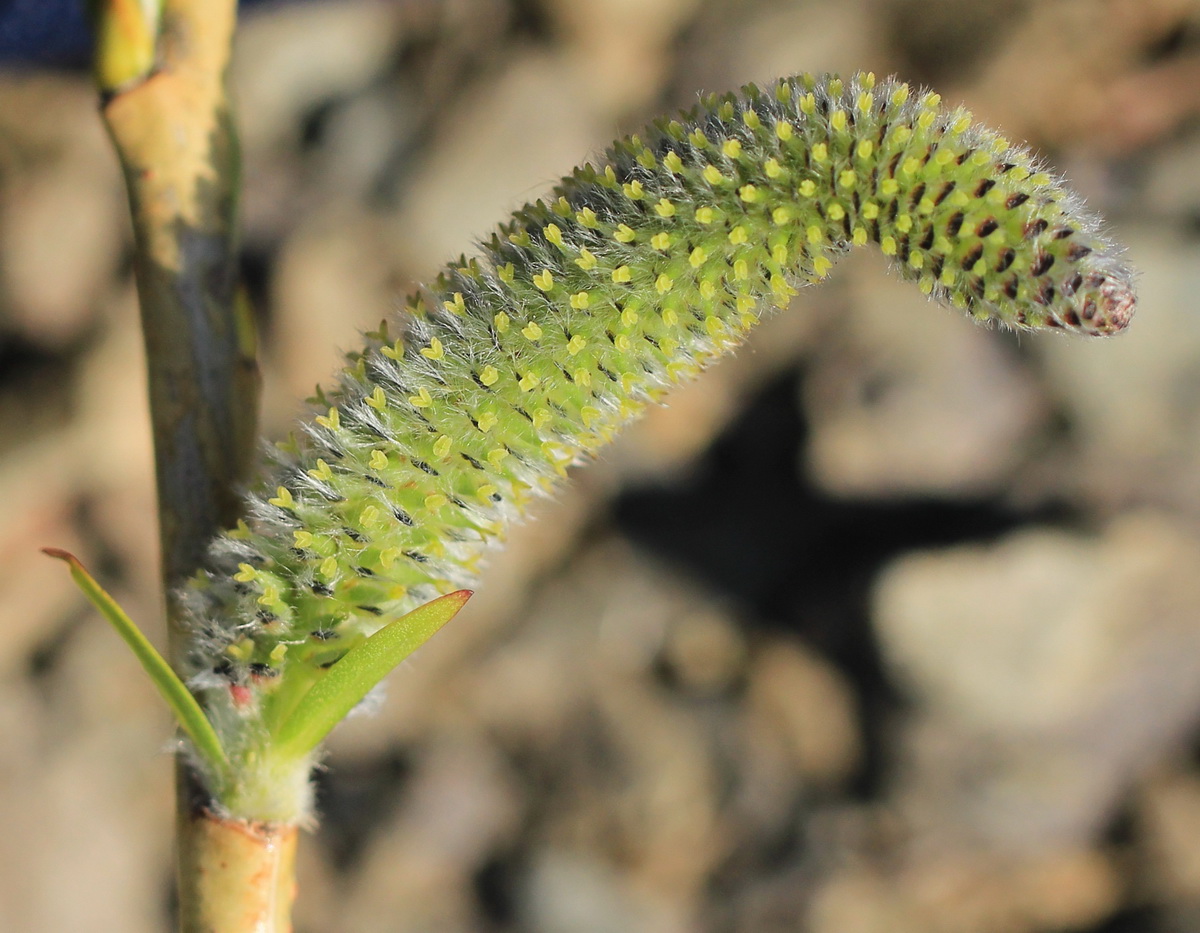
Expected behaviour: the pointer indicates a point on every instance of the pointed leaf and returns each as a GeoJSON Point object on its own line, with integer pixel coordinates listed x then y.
{"type": "Point", "coordinates": [353, 677]}
{"type": "Point", "coordinates": [187, 711]}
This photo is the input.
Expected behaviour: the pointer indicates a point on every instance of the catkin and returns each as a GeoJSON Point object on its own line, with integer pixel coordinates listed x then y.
{"type": "Point", "coordinates": [585, 306]}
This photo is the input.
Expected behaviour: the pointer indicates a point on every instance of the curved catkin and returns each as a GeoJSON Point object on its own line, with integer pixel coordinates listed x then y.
{"type": "Point", "coordinates": [586, 306]}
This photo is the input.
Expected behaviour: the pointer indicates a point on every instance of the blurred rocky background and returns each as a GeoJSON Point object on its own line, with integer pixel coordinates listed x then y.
{"type": "Point", "coordinates": [890, 624]}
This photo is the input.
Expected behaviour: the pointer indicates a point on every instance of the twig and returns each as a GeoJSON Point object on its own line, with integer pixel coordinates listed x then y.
{"type": "Point", "coordinates": [161, 67]}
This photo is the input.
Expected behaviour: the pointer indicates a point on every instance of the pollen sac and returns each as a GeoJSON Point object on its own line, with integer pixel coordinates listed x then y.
{"type": "Point", "coordinates": [631, 276]}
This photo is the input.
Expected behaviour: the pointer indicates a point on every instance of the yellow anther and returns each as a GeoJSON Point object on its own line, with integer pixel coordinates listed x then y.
{"type": "Point", "coordinates": [779, 253]}
{"type": "Point", "coordinates": [926, 284]}
{"type": "Point", "coordinates": [911, 165]}
{"type": "Point", "coordinates": [582, 377]}
{"type": "Point", "coordinates": [369, 516]}
{"type": "Point", "coordinates": [698, 139]}
{"type": "Point", "coordinates": [532, 331]}
{"type": "Point", "coordinates": [322, 472]}
{"type": "Point", "coordinates": [807, 188]}
{"type": "Point", "coordinates": [378, 460]}
{"type": "Point", "coordinates": [553, 234]}
{"type": "Point", "coordinates": [501, 322]}
{"type": "Point", "coordinates": [808, 104]}
{"type": "Point", "coordinates": [486, 421]}
{"type": "Point", "coordinates": [931, 101]}
{"type": "Point", "coordinates": [848, 178]}
{"type": "Point", "coordinates": [333, 420]}
{"type": "Point", "coordinates": [422, 399]}
{"type": "Point", "coordinates": [663, 284]}
{"type": "Point", "coordinates": [836, 211]}
{"type": "Point", "coordinates": [708, 291]}
{"type": "Point", "coordinates": [670, 318]}
{"type": "Point", "coordinates": [748, 193]}
{"type": "Point", "coordinates": [528, 382]}
{"type": "Point", "coordinates": [388, 556]}
{"type": "Point", "coordinates": [821, 267]}
{"type": "Point", "coordinates": [283, 498]}
{"type": "Point", "coordinates": [633, 189]}
{"type": "Point", "coordinates": [870, 210]}
{"type": "Point", "coordinates": [302, 539]}
{"type": "Point", "coordinates": [916, 260]}
{"type": "Point", "coordinates": [697, 257]}
{"type": "Point", "coordinates": [904, 223]}
{"type": "Point", "coordinates": [580, 300]}
{"type": "Point", "coordinates": [624, 234]}
{"type": "Point", "coordinates": [750, 118]}
{"type": "Point", "coordinates": [328, 568]}
{"type": "Point", "coordinates": [837, 120]}
{"type": "Point", "coordinates": [646, 159]}
{"type": "Point", "coordinates": [586, 217]}
{"type": "Point", "coordinates": [586, 260]}
{"type": "Point", "coordinates": [589, 413]}
{"type": "Point", "coordinates": [489, 375]}
{"type": "Point", "coordinates": [859, 237]}
{"type": "Point", "coordinates": [814, 235]}
{"type": "Point", "coordinates": [900, 95]}
{"type": "Point", "coordinates": [278, 653]}
{"type": "Point", "coordinates": [622, 274]}
{"type": "Point", "coordinates": [540, 417]}
{"type": "Point", "coordinates": [664, 208]}
{"type": "Point", "coordinates": [738, 235]}
{"type": "Point", "coordinates": [506, 273]}
{"type": "Point", "coordinates": [576, 344]}
{"type": "Point", "coordinates": [434, 351]}
{"type": "Point", "coordinates": [496, 455]}
{"type": "Point", "coordinates": [741, 270]}
{"type": "Point", "coordinates": [889, 186]}
{"type": "Point", "coordinates": [925, 120]}
{"type": "Point", "coordinates": [705, 215]}
{"type": "Point", "coordinates": [672, 161]}
{"type": "Point", "coordinates": [888, 246]}
{"type": "Point", "coordinates": [772, 168]}
{"type": "Point", "coordinates": [820, 152]}
{"type": "Point", "coordinates": [865, 149]}
{"type": "Point", "coordinates": [784, 130]}
{"type": "Point", "coordinates": [629, 317]}
{"type": "Point", "coordinates": [781, 215]}
{"type": "Point", "coordinates": [486, 491]}
{"type": "Point", "coordinates": [661, 241]}
{"type": "Point", "coordinates": [901, 134]}
{"type": "Point", "coordinates": [622, 343]}
{"type": "Point", "coordinates": [731, 148]}
{"type": "Point", "coordinates": [865, 102]}
{"type": "Point", "coordinates": [544, 280]}
{"type": "Point", "coordinates": [442, 447]}
{"type": "Point", "coordinates": [245, 573]}
{"type": "Point", "coordinates": [456, 304]}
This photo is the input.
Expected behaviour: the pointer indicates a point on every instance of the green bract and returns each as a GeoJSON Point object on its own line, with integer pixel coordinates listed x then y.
{"type": "Point", "coordinates": [521, 360]}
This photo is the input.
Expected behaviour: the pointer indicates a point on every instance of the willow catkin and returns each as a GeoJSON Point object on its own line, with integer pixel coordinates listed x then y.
{"type": "Point", "coordinates": [583, 307]}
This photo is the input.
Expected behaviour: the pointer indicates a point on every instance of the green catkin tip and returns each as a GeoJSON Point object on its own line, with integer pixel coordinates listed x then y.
{"type": "Point", "coordinates": [629, 278]}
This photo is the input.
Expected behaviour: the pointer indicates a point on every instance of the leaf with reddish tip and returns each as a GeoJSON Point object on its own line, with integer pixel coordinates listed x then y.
{"type": "Point", "coordinates": [358, 672]}
{"type": "Point", "coordinates": [187, 711]}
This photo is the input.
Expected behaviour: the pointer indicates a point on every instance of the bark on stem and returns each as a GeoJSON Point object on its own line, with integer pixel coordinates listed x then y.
{"type": "Point", "coordinates": [242, 875]}
{"type": "Point", "coordinates": [174, 135]}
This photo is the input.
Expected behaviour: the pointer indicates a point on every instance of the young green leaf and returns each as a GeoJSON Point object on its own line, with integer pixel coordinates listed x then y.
{"type": "Point", "coordinates": [187, 711]}
{"type": "Point", "coordinates": [355, 675]}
